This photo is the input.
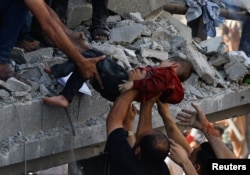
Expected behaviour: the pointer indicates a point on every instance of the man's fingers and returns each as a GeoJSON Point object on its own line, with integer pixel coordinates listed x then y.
{"type": "Point", "coordinates": [182, 119]}
{"type": "Point", "coordinates": [196, 107]}
{"type": "Point", "coordinates": [100, 58]}
{"type": "Point", "coordinates": [184, 115]}
{"type": "Point", "coordinates": [188, 111]}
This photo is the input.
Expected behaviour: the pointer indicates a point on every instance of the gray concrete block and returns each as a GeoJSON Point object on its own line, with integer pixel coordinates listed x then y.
{"type": "Point", "coordinates": [78, 11]}
{"type": "Point", "coordinates": [160, 55]}
{"type": "Point", "coordinates": [126, 34]}
{"type": "Point", "coordinates": [200, 64]}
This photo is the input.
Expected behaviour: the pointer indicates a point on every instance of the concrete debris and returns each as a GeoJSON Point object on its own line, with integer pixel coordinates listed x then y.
{"type": "Point", "coordinates": [136, 17]}
{"type": "Point", "coordinates": [135, 42]}
{"type": "Point", "coordinates": [211, 45]}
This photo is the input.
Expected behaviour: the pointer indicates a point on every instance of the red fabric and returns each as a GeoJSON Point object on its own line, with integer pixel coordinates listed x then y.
{"type": "Point", "coordinates": [189, 138]}
{"type": "Point", "coordinates": [160, 79]}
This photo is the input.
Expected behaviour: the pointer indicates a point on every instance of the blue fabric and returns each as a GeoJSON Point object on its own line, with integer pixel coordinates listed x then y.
{"type": "Point", "coordinates": [210, 12]}
{"type": "Point", "coordinates": [12, 17]}
{"type": "Point", "coordinates": [25, 31]}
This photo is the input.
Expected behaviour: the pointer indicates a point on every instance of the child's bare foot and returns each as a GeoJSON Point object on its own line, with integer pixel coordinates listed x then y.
{"type": "Point", "coordinates": [47, 70]}
{"type": "Point", "coordinates": [59, 100]}
{"type": "Point", "coordinates": [80, 41]}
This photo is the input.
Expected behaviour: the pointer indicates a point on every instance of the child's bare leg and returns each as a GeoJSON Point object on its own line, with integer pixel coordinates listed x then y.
{"type": "Point", "coordinates": [59, 100]}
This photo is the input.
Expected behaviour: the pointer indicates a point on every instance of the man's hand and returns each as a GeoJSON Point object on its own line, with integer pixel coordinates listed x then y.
{"type": "Point", "coordinates": [88, 68]}
{"type": "Point", "coordinates": [179, 156]}
{"type": "Point", "coordinates": [177, 153]}
{"type": "Point", "coordinates": [195, 119]}
{"type": "Point", "coordinates": [137, 74]}
{"type": "Point", "coordinates": [128, 122]}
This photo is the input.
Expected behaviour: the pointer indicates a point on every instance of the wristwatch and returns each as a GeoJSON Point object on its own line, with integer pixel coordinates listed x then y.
{"type": "Point", "coordinates": [129, 133]}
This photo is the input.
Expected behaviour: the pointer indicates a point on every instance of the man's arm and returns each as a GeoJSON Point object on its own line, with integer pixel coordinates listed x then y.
{"type": "Point", "coordinates": [197, 119]}
{"type": "Point", "coordinates": [145, 119]}
{"type": "Point", "coordinates": [128, 125]}
{"type": "Point", "coordinates": [119, 111]}
{"type": "Point", "coordinates": [172, 130]}
{"type": "Point", "coordinates": [56, 33]}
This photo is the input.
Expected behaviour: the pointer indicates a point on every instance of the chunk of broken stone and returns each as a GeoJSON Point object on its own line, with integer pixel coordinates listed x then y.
{"type": "Point", "coordinates": [15, 87]}
{"type": "Point", "coordinates": [211, 45]}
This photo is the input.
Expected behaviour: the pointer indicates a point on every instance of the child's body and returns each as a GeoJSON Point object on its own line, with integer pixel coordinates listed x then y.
{"type": "Point", "coordinates": [166, 77]}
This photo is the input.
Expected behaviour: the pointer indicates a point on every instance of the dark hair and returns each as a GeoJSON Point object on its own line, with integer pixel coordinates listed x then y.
{"type": "Point", "coordinates": [186, 68]}
{"type": "Point", "coordinates": [154, 147]}
{"type": "Point", "coordinates": [206, 152]}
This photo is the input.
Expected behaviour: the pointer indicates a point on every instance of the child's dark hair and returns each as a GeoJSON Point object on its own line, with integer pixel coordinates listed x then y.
{"type": "Point", "coordinates": [186, 68]}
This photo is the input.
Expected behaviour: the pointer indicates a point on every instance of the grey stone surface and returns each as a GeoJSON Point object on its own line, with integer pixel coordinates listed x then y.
{"type": "Point", "coordinates": [78, 11]}
{"type": "Point", "coordinates": [126, 34]}
{"type": "Point", "coordinates": [211, 45]}
{"type": "Point", "coordinates": [160, 55]}
{"type": "Point", "coordinates": [145, 7]}
{"type": "Point", "coordinates": [201, 66]}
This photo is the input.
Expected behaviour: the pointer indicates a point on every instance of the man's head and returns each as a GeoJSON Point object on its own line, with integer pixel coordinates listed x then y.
{"type": "Point", "coordinates": [153, 147]}
{"type": "Point", "coordinates": [200, 156]}
{"type": "Point", "coordinates": [182, 67]}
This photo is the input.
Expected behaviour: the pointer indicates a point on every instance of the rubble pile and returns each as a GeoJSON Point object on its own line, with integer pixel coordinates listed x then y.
{"type": "Point", "coordinates": [137, 42]}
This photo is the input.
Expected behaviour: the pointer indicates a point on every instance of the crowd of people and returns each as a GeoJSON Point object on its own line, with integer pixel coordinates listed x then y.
{"type": "Point", "coordinates": [128, 152]}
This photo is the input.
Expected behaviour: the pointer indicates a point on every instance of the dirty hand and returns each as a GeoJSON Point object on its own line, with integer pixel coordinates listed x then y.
{"type": "Point", "coordinates": [195, 119]}
{"type": "Point", "coordinates": [177, 153]}
{"type": "Point", "coordinates": [137, 74]}
{"type": "Point", "coordinates": [131, 115]}
{"type": "Point", "coordinates": [88, 68]}
{"type": "Point", "coordinates": [127, 85]}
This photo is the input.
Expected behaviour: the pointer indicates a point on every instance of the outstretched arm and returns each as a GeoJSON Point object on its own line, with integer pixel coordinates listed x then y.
{"type": "Point", "coordinates": [197, 119]}
{"type": "Point", "coordinates": [119, 111]}
{"type": "Point", "coordinates": [172, 130]}
{"type": "Point", "coordinates": [145, 120]}
{"type": "Point", "coordinates": [56, 33]}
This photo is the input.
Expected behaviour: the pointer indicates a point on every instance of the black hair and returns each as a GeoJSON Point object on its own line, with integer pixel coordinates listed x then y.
{"type": "Point", "coordinates": [203, 155]}
{"type": "Point", "coordinates": [154, 147]}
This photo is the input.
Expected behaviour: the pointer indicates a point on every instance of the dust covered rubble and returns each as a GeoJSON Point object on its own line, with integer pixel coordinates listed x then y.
{"type": "Point", "coordinates": [137, 42]}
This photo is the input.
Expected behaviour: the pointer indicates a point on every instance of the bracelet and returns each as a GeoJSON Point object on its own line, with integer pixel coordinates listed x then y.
{"type": "Point", "coordinates": [208, 129]}
{"type": "Point", "coordinates": [129, 133]}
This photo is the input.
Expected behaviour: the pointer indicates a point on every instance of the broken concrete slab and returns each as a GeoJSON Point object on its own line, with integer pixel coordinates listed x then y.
{"type": "Point", "coordinates": [211, 45]}
{"type": "Point", "coordinates": [145, 7]}
{"type": "Point", "coordinates": [160, 55]}
{"type": "Point", "coordinates": [126, 34]}
{"type": "Point", "coordinates": [14, 85]}
{"type": "Point", "coordinates": [200, 64]}
{"type": "Point", "coordinates": [35, 56]}
{"type": "Point", "coordinates": [182, 29]}
{"type": "Point", "coordinates": [236, 71]}
{"type": "Point", "coordinates": [78, 11]}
